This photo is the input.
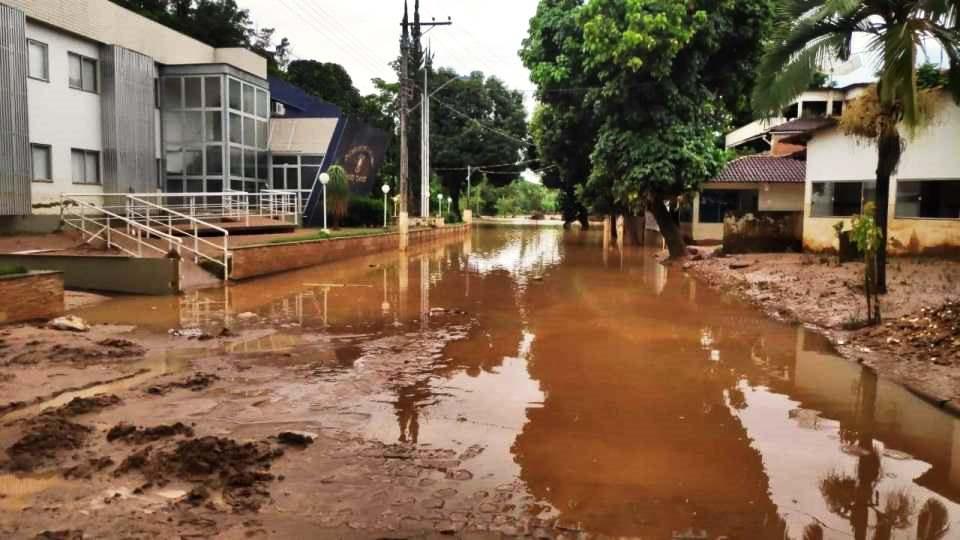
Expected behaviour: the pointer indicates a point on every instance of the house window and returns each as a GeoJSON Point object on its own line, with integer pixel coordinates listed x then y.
{"type": "Point", "coordinates": [41, 163]}
{"type": "Point", "coordinates": [928, 199]}
{"type": "Point", "coordinates": [39, 60]}
{"type": "Point", "coordinates": [839, 199]}
{"type": "Point", "coordinates": [716, 203]}
{"type": "Point", "coordinates": [83, 72]}
{"type": "Point", "coordinates": [86, 166]}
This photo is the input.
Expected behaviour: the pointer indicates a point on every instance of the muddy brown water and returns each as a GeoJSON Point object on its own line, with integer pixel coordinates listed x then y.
{"type": "Point", "coordinates": [622, 394]}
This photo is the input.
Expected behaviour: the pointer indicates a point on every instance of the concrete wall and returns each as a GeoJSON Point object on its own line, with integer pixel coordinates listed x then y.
{"type": "Point", "coordinates": [253, 261]}
{"type": "Point", "coordinates": [62, 117]}
{"type": "Point", "coordinates": [31, 296]}
{"type": "Point", "coordinates": [772, 198]}
{"type": "Point", "coordinates": [108, 23]}
{"type": "Point", "coordinates": [931, 154]}
{"type": "Point", "coordinates": [15, 160]}
{"type": "Point", "coordinates": [151, 276]}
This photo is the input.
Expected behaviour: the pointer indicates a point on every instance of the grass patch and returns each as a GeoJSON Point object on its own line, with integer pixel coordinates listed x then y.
{"type": "Point", "coordinates": [320, 235]}
{"type": "Point", "coordinates": [12, 270]}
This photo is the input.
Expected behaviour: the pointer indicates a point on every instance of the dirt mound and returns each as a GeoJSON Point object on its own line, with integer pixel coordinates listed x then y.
{"type": "Point", "coordinates": [44, 437]}
{"type": "Point", "coordinates": [140, 435]}
{"type": "Point", "coordinates": [85, 470]}
{"type": "Point", "coordinates": [239, 469]}
{"type": "Point", "coordinates": [60, 535]}
{"type": "Point", "coordinates": [82, 405]}
{"type": "Point", "coordinates": [196, 382]}
{"type": "Point", "coordinates": [291, 438]}
{"type": "Point", "coordinates": [70, 349]}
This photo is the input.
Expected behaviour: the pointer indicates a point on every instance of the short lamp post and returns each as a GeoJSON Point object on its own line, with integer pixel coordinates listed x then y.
{"type": "Point", "coordinates": [449, 203]}
{"type": "Point", "coordinates": [440, 205]}
{"type": "Point", "coordinates": [385, 189]}
{"type": "Point", "coordinates": [324, 179]}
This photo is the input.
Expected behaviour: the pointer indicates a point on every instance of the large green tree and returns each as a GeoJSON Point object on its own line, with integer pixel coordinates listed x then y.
{"type": "Point", "coordinates": [810, 32]}
{"type": "Point", "coordinates": [661, 81]}
{"type": "Point", "coordinates": [563, 126]}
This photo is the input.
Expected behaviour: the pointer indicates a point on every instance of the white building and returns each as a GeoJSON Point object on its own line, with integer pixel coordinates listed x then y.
{"type": "Point", "coordinates": [97, 99]}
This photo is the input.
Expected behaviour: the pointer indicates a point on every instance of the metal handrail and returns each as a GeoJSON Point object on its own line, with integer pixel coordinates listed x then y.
{"type": "Point", "coordinates": [103, 221]}
{"type": "Point", "coordinates": [196, 223]}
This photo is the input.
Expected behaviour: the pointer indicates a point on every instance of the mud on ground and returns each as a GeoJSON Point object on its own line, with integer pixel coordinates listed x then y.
{"type": "Point", "coordinates": [918, 343]}
{"type": "Point", "coordinates": [238, 445]}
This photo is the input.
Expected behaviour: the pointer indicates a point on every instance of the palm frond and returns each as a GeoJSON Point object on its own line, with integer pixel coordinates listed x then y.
{"type": "Point", "coordinates": [823, 31]}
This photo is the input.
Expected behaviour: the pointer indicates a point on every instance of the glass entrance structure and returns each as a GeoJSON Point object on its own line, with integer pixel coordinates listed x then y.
{"type": "Point", "coordinates": [214, 129]}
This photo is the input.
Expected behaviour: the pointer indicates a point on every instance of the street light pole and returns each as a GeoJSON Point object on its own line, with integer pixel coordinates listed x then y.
{"type": "Point", "coordinates": [385, 189]}
{"type": "Point", "coordinates": [324, 178]}
{"type": "Point", "coordinates": [440, 205]}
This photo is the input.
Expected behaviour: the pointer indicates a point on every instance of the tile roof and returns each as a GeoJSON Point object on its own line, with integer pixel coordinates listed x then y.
{"type": "Point", "coordinates": [803, 125]}
{"type": "Point", "coordinates": [763, 168]}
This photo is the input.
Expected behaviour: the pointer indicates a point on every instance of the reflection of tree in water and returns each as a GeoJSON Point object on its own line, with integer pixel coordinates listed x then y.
{"type": "Point", "coordinates": [854, 498]}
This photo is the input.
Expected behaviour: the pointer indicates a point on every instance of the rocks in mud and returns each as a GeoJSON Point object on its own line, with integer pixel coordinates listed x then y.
{"type": "Point", "coordinates": [45, 436]}
{"type": "Point", "coordinates": [195, 382]}
{"type": "Point", "coordinates": [140, 435]}
{"type": "Point", "coordinates": [291, 438]}
{"type": "Point", "coordinates": [70, 323]}
{"type": "Point", "coordinates": [84, 405]}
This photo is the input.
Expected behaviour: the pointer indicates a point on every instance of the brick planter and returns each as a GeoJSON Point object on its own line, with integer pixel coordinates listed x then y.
{"type": "Point", "coordinates": [31, 296]}
{"type": "Point", "coordinates": [261, 260]}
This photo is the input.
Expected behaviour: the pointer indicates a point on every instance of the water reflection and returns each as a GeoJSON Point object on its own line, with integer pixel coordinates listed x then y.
{"type": "Point", "coordinates": [623, 394]}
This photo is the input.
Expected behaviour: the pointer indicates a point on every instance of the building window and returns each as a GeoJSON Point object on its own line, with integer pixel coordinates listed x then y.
{"type": "Point", "coordinates": [39, 60]}
{"type": "Point", "coordinates": [83, 73]}
{"type": "Point", "coordinates": [86, 166]}
{"type": "Point", "coordinates": [839, 199]}
{"type": "Point", "coordinates": [716, 203]}
{"type": "Point", "coordinates": [42, 165]}
{"type": "Point", "coordinates": [928, 199]}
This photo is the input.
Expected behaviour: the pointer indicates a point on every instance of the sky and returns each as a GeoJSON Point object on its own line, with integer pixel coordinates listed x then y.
{"type": "Point", "coordinates": [364, 35]}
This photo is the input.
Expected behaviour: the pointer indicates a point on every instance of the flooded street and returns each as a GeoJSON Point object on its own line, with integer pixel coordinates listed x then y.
{"type": "Point", "coordinates": [521, 381]}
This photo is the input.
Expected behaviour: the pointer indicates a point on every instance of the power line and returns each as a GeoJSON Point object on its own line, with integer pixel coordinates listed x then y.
{"type": "Point", "coordinates": [494, 166]}
{"type": "Point", "coordinates": [360, 62]}
{"type": "Point", "coordinates": [503, 134]}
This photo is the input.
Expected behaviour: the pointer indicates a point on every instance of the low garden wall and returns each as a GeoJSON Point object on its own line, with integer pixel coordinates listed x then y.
{"type": "Point", "coordinates": [132, 275]}
{"type": "Point", "coordinates": [264, 259]}
{"type": "Point", "coordinates": [31, 296]}
{"type": "Point", "coordinates": [763, 232]}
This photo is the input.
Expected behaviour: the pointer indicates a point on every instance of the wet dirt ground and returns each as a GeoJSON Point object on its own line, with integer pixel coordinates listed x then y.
{"type": "Point", "coordinates": [520, 382]}
{"type": "Point", "coordinates": [918, 342]}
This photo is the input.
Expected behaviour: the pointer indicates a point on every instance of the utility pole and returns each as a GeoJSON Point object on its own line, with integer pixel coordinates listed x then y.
{"type": "Point", "coordinates": [404, 88]}
{"type": "Point", "coordinates": [415, 29]}
{"type": "Point", "coordinates": [425, 141]}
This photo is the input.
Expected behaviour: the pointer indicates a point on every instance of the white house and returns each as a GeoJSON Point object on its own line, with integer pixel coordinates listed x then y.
{"type": "Point", "coordinates": [924, 204]}
{"type": "Point", "coordinates": [98, 99]}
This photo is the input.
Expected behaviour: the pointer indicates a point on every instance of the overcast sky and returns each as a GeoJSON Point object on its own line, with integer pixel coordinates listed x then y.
{"type": "Point", "coordinates": [364, 35]}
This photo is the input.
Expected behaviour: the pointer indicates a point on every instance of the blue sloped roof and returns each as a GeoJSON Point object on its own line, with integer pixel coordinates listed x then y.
{"type": "Point", "coordinates": [299, 103]}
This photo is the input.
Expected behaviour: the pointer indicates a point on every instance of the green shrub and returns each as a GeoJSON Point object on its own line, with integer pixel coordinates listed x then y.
{"type": "Point", "coordinates": [364, 212]}
{"type": "Point", "coordinates": [12, 270]}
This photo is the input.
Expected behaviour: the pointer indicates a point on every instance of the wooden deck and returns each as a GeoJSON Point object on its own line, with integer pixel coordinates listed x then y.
{"type": "Point", "coordinates": [254, 225]}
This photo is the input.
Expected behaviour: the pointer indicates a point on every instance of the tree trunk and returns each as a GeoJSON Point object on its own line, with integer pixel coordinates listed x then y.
{"type": "Point", "coordinates": [455, 205]}
{"type": "Point", "coordinates": [889, 149]}
{"type": "Point", "coordinates": [669, 229]}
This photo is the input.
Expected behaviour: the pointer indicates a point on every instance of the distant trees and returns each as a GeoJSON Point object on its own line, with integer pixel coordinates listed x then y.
{"type": "Point", "coordinates": [522, 198]}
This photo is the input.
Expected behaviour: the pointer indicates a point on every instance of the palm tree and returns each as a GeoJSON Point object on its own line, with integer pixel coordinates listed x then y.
{"type": "Point", "coordinates": [810, 32]}
{"type": "Point", "coordinates": [338, 192]}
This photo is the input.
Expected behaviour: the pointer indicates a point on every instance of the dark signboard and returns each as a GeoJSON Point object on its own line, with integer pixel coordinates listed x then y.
{"type": "Point", "coordinates": [360, 152]}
